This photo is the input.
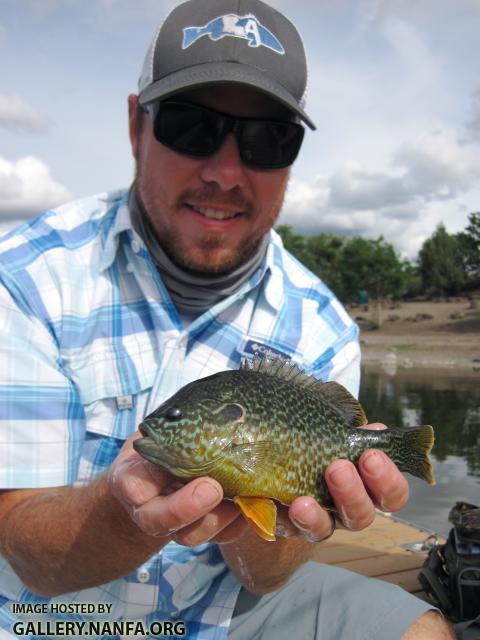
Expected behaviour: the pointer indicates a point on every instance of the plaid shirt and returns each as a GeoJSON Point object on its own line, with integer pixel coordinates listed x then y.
{"type": "Point", "coordinates": [91, 342]}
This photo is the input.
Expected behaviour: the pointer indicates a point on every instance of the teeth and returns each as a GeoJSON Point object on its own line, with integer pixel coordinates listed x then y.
{"type": "Point", "coordinates": [215, 214]}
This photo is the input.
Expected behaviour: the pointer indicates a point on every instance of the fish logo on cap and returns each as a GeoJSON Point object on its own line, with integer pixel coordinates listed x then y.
{"type": "Point", "coordinates": [246, 27]}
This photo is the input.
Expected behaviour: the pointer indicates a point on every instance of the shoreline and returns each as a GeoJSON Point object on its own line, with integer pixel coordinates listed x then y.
{"type": "Point", "coordinates": [408, 352]}
{"type": "Point", "coordinates": [442, 335]}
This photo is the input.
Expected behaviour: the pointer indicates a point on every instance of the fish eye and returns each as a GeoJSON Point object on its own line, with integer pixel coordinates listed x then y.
{"type": "Point", "coordinates": [233, 412]}
{"type": "Point", "coordinates": [173, 413]}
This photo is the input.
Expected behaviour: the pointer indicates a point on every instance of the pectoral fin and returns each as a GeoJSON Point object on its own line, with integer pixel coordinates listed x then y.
{"type": "Point", "coordinates": [261, 514]}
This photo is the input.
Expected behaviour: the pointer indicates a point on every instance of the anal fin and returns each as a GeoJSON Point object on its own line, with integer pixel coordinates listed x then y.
{"type": "Point", "coordinates": [261, 514]}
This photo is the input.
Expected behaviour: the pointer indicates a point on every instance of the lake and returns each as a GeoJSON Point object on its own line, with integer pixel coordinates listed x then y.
{"type": "Point", "coordinates": [450, 402]}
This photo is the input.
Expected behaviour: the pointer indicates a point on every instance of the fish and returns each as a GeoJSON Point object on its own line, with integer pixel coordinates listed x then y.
{"type": "Point", "coordinates": [245, 27]}
{"type": "Point", "coordinates": [266, 432]}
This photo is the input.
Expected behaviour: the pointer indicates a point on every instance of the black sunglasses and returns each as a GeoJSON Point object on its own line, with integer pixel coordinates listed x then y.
{"type": "Point", "coordinates": [199, 131]}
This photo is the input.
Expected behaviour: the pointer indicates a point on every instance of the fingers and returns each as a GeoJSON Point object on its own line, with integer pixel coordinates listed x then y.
{"type": "Point", "coordinates": [166, 514]}
{"type": "Point", "coordinates": [162, 507]}
{"type": "Point", "coordinates": [132, 480]}
{"type": "Point", "coordinates": [221, 525]}
{"type": "Point", "coordinates": [350, 495]}
{"type": "Point", "coordinates": [379, 484]}
{"type": "Point", "coordinates": [375, 426]}
{"type": "Point", "coordinates": [386, 484]}
{"type": "Point", "coordinates": [313, 522]}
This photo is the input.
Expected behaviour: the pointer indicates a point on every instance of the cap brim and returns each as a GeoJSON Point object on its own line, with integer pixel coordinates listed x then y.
{"type": "Point", "coordinates": [218, 73]}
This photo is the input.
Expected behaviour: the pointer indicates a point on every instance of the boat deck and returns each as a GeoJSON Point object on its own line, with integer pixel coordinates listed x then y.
{"type": "Point", "coordinates": [377, 552]}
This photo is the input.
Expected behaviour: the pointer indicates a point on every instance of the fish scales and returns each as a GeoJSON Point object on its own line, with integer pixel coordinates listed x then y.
{"type": "Point", "coordinates": [268, 431]}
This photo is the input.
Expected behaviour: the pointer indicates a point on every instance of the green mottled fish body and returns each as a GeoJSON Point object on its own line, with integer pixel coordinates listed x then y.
{"type": "Point", "coordinates": [268, 430]}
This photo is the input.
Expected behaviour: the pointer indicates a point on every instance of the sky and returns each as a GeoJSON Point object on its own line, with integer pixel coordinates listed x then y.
{"type": "Point", "coordinates": [394, 90]}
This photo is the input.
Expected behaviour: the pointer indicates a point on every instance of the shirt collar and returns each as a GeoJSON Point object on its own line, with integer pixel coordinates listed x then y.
{"type": "Point", "coordinates": [271, 270]}
{"type": "Point", "coordinates": [119, 221]}
{"type": "Point", "coordinates": [274, 272]}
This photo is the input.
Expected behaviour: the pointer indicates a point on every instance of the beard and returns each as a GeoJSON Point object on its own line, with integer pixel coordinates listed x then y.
{"type": "Point", "coordinates": [212, 254]}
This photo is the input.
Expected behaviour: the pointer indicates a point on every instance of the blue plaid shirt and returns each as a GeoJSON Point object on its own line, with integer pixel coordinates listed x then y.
{"type": "Point", "coordinates": [90, 343]}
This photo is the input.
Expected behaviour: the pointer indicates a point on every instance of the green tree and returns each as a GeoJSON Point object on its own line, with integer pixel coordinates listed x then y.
{"type": "Point", "coordinates": [373, 266]}
{"type": "Point", "coordinates": [412, 280]}
{"type": "Point", "coordinates": [295, 243]}
{"type": "Point", "coordinates": [324, 251]}
{"type": "Point", "coordinates": [469, 241]}
{"type": "Point", "coordinates": [441, 263]}
{"type": "Point", "coordinates": [319, 253]}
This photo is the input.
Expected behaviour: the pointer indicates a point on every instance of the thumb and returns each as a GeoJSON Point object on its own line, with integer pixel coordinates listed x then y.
{"type": "Point", "coordinates": [132, 480]}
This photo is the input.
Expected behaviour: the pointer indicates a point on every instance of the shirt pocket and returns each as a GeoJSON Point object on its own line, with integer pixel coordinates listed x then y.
{"type": "Point", "coordinates": [114, 403]}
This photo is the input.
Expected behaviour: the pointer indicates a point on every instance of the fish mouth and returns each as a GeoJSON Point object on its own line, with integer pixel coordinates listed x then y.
{"type": "Point", "coordinates": [149, 432]}
{"type": "Point", "coordinates": [148, 448]}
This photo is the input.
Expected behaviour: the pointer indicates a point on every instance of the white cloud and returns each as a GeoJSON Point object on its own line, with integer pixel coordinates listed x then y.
{"type": "Point", "coordinates": [404, 202]}
{"type": "Point", "coordinates": [437, 166]}
{"type": "Point", "coordinates": [17, 115]}
{"type": "Point", "coordinates": [473, 123]}
{"type": "Point", "coordinates": [27, 188]}
{"type": "Point", "coordinates": [357, 188]}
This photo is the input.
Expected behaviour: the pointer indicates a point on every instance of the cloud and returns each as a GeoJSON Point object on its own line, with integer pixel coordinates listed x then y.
{"type": "Point", "coordinates": [27, 188]}
{"type": "Point", "coordinates": [473, 123]}
{"type": "Point", "coordinates": [404, 202]}
{"type": "Point", "coordinates": [354, 187]}
{"type": "Point", "coordinates": [437, 166]}
{"type": "Point", "coordinates": [17, 115]}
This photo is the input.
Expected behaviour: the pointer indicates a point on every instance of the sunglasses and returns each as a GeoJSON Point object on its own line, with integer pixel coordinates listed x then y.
{"type": "Point", "coordinates": [199, 131]}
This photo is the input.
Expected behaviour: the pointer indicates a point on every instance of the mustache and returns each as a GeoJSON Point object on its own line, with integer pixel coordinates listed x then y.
{"type": "Point", "coordinates": [212, 194]}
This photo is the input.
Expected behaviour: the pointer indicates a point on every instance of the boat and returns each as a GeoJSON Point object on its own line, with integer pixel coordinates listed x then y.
{"type": "Point", "coordinates": [389, 549]}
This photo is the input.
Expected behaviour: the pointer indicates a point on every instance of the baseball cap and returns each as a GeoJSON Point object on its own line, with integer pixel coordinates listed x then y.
{"type": "Point", "coordinates": [243, 42]}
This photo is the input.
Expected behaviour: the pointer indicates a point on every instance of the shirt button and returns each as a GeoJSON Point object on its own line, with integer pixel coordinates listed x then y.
{"type": "Point", "coordinates": [135, 246]}
{"type": "Point", "coordinates": [143, 575]}
{"type": "Point", "coordinates": [129, 267]}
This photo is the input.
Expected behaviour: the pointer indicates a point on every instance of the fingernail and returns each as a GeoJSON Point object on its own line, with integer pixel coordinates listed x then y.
{"type": "Point", "coordinates": [205, 494]}
{"type": "Point", "coordinates": [305, 520]}
{"type": "Point", "coordinates": [374, 463]}
{"type": "Point", "coordinates": [342, 476]}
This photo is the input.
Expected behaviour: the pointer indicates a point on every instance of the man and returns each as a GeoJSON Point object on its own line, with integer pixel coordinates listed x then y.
{"type": "Point", "coordinates": [110, 304]}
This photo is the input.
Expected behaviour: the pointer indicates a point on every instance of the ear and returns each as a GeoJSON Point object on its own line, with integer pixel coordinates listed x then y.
{"type": "Point", "coordinates": [133, 124]}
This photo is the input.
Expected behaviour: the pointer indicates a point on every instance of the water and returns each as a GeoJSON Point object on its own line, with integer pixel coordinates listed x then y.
{"type": "Point", "coordinates": [451, 404]}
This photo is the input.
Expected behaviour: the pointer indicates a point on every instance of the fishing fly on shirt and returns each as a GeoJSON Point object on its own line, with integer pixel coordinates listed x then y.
{"type": "Point", "coordinates": [266, 433]}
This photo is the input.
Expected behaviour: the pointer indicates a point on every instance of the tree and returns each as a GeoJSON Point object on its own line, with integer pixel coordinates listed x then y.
{"type": "Point", "coordinates": [295, 243]}
{"type": "Point", "coordinates": [413, 280]}
{"type": "Point", "coordinates": [373, 266]}
{"type": "Point", "coordinates": [324, 251]}
{"type": "Point", "coordinates": [441, 263]}
{"type": "Point", "coordinates": [469, 241]}
{"type": "Point", "coordinates": [319, 253]}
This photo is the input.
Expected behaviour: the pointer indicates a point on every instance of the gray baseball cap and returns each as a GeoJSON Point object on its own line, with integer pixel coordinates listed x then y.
{"type": "Point", "coordinates": [247, 42]}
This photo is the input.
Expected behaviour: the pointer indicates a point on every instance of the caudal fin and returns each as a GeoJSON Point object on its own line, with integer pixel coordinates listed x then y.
{"type": "Point", "coordinates": [411, 448]}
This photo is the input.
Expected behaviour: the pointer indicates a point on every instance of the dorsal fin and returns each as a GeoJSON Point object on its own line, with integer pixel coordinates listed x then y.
{"type": "Point", "coordinates": [331, 392]}
{"type": "Point", "coordinates": [342, 400]}
{"type": "Point", "coordinates": [278, 367]}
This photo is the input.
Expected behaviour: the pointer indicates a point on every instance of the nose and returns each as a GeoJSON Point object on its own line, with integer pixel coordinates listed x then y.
{"type": "Point", "coordinates": [225, 167]}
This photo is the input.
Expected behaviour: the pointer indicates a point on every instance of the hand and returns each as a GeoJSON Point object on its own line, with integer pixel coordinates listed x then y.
{"type": "Point", "coordinates": [190, 514]}
{"type": "Point", "coordinates": [356, 494]}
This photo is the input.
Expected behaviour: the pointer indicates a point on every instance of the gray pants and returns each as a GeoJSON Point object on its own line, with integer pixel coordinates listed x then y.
{"type": "Point", "coordinates": [321, 602]}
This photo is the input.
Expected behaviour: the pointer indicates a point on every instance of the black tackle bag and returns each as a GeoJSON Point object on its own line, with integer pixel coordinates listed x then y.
{"type": "Point", "coordinates": [451, 572]}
